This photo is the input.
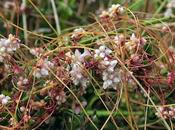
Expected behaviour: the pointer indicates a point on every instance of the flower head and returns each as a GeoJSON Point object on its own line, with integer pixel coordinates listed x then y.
{"type": "Point", "coordinates": [4, 99]}
{"type": "Point", "coordinates": [8, 46]}
{"type": "Point", "coordinates": [102, 52]}
{"type": "Point", "coordinates": [42, 68]}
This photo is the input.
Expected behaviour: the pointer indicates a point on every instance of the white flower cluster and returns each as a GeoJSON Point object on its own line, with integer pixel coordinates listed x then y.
{"type": "Point", "coordinates": [61, 98]}
{"type": "Point", "coordinates": [8, 46]}
{"type": "Point", "coordinates": [4, 99]}
{"type": "Point", "coordinates": [170, 7]}
{"type": "Point", "coordinates": [77, 75]}
{"type": "Point", "coordinates": [166, 112]}
{"type": "Point", "coordinates": [102, 52]}
{"type": "Point", "coordinates": [110, 75]}
{"type": "Point", "coordinates": [132, 43]}
{"type": "Point", "coordinates": [77, 72]}
{"type": "Point", "coordinates": [42, 68]}
{"type": "Point", "coordinates": [114, 9]}
{"type": "Point", "coordinates": [77, 32]}
{"type": "Point", "coordinates": [118, 39]}
{"type": "Point", "coordinates": [22, 81]}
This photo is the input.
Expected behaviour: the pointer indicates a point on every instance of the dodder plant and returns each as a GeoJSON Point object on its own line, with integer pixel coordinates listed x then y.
{"type": "Point", "coordinates": [115, 73]}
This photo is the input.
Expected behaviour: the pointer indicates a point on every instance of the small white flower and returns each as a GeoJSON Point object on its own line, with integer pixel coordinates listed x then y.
{"type": "Point", "coordinates": [133, 38]}
{"type": "Point", "coordinates": [9, 50]}
{"type": "Point", "coordinates": [2, 96]}
{"type": "Point", "coordinates": [44, 72]}
{"type": "Point", "coordinates": [97, 51]}
{"type": "Point", "coordinates": [116, 80]}
{"type": "Point", "coordinates": [105, 85]}
{"type": "Point", "coordinates": [106, 62]}
{"type": "Point", "coordinates": [168, 12]}
{"type": "Point", "coordinates": [78, 57]}
{"type": "Point", "coordinates": [118, 39]}
{"type": "Point", "coordinates": [36, 51]}
{"type": "Point", "coordinates": [115, 8]}
{"type": "Point", "coordinates": [77, 32]}
{"type": "Point", "coordinates": [102, 48]}
{"type": "Point", "coordinates": [22, 109]}
{"type": "Point", "coordinates": [2, 49]}
{"type": "Point", "coordinates": [4, 99]}
{"type": "Point", "coordinates": [33, 52]}
{"type": "Point", "coordinates": [121, 10]}
{"type": "Point", "coordinates": [113, 63]}
{"type": "Point", "coordinates": [37, 74]}
{"type": "Point", "coordinates": [108, 51]}
{"type": "Point", "coordinates": [60, 99]}
{"type": "Point", "coordinates": [104, 14]}
{"type": "Point", "coordinates": [25, 81]}
{"type": "Point", "coordinates": [102, 55]}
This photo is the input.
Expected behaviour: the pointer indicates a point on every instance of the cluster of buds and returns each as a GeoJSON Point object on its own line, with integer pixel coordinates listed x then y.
{"type": "Point", "coordinates": [42, 68]}
{"type": "Point", "coordinates": [116, 9]}
{"type": "Point", "coordinates": [77, 33]}
{"type": "Point", "coordinates": [166, 112]}
{"type": "Point", "coordinates": [102, 52]}
{"type": "Point", "coordinates": [170, 7]}
{"type": "Point", "coordinates": [4, 99]}
{"type": "Point", "coordinates": [57, 93]}
{"type": "Point", "coordinates": [36, 51]}
{"type": "Point", "coordinates": [61, 97]}
{"type": "Point", "coordinates": [119, 39]}
{"type": "Point", "coordinates": [109, 75]}
{"type": "Point", "coordinates": [8, 46]}
{"type": "Point", "coordinates": [134, 42]}
{"type": "Point", "coordinates": [22, 82]}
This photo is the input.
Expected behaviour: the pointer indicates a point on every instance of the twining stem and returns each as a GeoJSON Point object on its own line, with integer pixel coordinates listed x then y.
{"type": "Point", "coordinates": [42, 15]}
{"type": "Point", "coordinates": [74, 95]}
